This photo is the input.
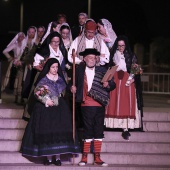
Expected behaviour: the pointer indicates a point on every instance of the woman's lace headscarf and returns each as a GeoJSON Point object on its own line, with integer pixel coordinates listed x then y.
{"type": "Point", "coordinates": [109, 31]}
{"type": "Point", "coordinates": [70, 35]}
{"type": "Point", "coordinates": [14, 40]}
{"type": "Point", "coordinates": [19, 49]}
{"type": "Point", "coordinates": [47, 32]}
{"type": "Point", "coordinates": [33, 40]}
{"type": "Point", "coordinates": [51, 25]}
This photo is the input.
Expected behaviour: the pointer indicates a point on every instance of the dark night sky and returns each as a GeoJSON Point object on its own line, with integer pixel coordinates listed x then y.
{"type": "Point", "coordinates": [140, 20]}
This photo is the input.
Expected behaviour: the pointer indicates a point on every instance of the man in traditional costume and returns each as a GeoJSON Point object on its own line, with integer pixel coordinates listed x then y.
{"type": "Point", "coordinates": [90, 39]}
{"type": "Point", "coordinates": [93, 96]}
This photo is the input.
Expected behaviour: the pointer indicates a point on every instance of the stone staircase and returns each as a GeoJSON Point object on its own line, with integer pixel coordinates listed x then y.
{"type": "Point", "coordinates": [149, 150]}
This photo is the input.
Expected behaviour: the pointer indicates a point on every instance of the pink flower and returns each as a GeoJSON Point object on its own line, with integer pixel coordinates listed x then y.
{"type": "Point", "coordinates": [41, 90]}
{"type": "Point", "coordinates": [136, 69]}
{"type": "Point", "coordinates": [45, 86]}
{"type": "Point", "coordinates": [107, 40]}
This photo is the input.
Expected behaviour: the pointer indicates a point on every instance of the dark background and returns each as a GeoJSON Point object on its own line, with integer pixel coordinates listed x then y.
{"type": "Point", "coordinates": [141, 20]}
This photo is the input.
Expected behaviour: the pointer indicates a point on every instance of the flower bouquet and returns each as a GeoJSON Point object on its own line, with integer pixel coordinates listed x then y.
{"type": "Point", "coordinates": [135, 69]}
{"type": "Point", "coordinates": [41, 91]}
{"type": "Point", "coordinates": [107, 40]}
{"type": "Point", "coordinates": [43, 94]}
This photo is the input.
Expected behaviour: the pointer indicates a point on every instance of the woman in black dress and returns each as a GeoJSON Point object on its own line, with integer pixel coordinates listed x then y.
{"type": "Point", "coordinates": [49, 131]}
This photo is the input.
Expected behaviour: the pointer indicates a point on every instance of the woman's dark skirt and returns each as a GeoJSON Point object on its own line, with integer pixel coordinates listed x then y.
{"type": "Point", "coordinates": [49, 131]}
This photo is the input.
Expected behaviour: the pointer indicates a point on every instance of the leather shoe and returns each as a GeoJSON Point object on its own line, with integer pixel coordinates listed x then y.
{"type": "Point", "coordinates": [57, 162]}
{"type": "Point", "coordinates": [126, 135]}
{"type": "Point", "coordinates": [47, 162]}
{"type": "Point", "coordinates": [82, 163]}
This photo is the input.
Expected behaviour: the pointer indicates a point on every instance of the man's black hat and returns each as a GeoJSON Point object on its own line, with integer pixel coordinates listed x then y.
{"type": "Point", "coordinates": [88, 51]}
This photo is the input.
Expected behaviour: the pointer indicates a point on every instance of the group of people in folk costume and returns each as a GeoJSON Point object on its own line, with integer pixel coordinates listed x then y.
{"type": "Point", "coordinates": [51, 65]}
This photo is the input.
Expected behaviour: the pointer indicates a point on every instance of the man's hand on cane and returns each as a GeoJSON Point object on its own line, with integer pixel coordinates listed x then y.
{"type": "Point", "coordinates": [73, 89]}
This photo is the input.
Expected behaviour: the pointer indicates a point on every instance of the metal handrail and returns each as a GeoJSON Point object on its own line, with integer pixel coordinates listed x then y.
{"type": "Point", "coordinates": [156, 83]}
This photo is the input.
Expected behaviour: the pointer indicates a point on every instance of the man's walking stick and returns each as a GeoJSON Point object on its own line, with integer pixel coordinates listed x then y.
{"type": "Point", "coordinates": [73, 56]}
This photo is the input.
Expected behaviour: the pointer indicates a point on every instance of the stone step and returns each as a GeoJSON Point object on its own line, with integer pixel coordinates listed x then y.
{"type": "Point", "coordinates": [12, 123]}
{"type": "Point", "coordinates": [156, 126]}
{"type": "Point", "coordinates": [156, 116]}
{"type": "Point", "coordinates": [138, 136]}
{"type": "Point", "coordinates": [110, 158]}
{"type": "Point", "coordinates": [121, 147]}
{"type": "Point", "coordinates": [17, 134]}
{"type": "Point", "coordinates": [25, 166]}
{"type": "Point", "coordinates": [136, 147]}
{"type": "Point", "coordinates": [10, 145]}
{"type": "Point", "coordinates": [150, 114]}
{"type": "Point", "coordinates": [11, 113]}
{"type": "Point", "coordinates": [11, 134]}
{"type": "Point", "coordinates": [149, 150]}
{"type": "Point", "coordinates": [157, 109]}
{"type": "Point", "coordinates": [147, 125]}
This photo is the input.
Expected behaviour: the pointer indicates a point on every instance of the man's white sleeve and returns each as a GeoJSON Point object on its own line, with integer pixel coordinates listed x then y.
{"type": "Point", "coordinates": [37, 59]}
{"type": "Point", "coordinates": [73, 46]}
